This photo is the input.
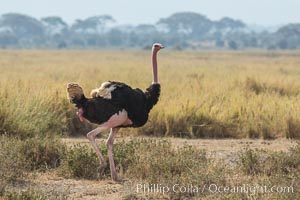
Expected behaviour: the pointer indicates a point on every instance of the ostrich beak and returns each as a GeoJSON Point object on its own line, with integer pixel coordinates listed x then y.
{"type": "Point", "coordinates": [162, 47]}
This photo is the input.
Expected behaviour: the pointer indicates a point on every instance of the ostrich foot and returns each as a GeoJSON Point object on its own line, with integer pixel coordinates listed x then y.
{"type": "Point", "coordinates": [117, 179]}
{"type": "Point", "coordinates": [114, 177]}
{"type": "Point", "coordinates": [102, 168]}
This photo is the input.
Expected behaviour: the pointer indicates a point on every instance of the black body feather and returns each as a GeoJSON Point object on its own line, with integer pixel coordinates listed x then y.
{"type": "Point", "coordinates": [136, 102]}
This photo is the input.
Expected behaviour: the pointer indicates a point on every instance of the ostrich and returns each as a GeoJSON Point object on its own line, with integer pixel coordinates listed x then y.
{"type": "Point", "coordinates": [113, 106]}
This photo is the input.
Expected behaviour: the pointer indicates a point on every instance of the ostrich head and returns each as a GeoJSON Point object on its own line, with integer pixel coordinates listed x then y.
{"type": "Point", "coordinates": [157, 46]}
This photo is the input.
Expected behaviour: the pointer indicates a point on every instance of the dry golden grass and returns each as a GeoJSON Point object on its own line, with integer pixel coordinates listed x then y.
{"type": "Point", "coordinates": [204, 94]}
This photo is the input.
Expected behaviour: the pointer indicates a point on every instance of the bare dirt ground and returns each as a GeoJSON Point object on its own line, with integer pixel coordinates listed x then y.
{"type": "Point", "coordinates": [225, 149]}
{"type": "Point", "coordinates": [231, 145]}
{"type": "Point", "coordinates": [78, 189]}
{"type": "Point", "coordinates": [216, 148]}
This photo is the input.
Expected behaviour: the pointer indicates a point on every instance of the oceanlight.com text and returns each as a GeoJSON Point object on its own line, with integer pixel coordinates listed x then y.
{"type": "Point", "coordinates": [212, 188]}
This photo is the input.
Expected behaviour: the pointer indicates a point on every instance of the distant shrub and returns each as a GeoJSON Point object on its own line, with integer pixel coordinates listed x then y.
{"type": "Point", "coordinates": [253, 85]}
{"type": "Point", "coordinates": [293, 128]}
{"type": "Point", "coordinates": [266, 132]}
{"type": "Point", "coordinates": [249, 162]}
{"type": "Point", "coordinates": [156, 161]}
{"type": "Point", "coordinates": [284, 163]}
{"type": "Point", "coordinates": [23, 195]}
{"type": "Point", "coordinates": [13, 165]}
{"type": "Point", "coordinates": [42, 153]}
{"type": "Point", "coordinates": [253, 133]}
{"type": "Point", "coordinates": [81, 161]}
{"type": "Point", "coordinates": [185, 124]}
{"type": "Point", "coordinates": [18, 157]}
{"type": "Point", "coordinates": [259, 162]}
{"type": "Point", "coordinates": [211, 129]}
{"type": "Point", "coordinates": [258, 87]}
{"type": "Point", "coordinates": [32, 194]}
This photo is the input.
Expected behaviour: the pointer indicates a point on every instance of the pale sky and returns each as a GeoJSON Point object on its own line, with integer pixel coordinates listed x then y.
{"type": "Point", "coordinates": [262, 12]}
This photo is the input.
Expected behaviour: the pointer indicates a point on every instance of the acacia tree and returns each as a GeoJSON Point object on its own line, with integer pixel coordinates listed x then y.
{"type": "Point", "coordinates": [288, 36]}
{"type": "Point", "coordinates": [57, 31]}
{"type": "Point", "coordinates": [192, 25]}
{"type": "Point", "coordinates": [54, 25]}
{"type": "Point", "coordinates": [92, 25]}
{"type": "Point", "coordinates": [28, 30]}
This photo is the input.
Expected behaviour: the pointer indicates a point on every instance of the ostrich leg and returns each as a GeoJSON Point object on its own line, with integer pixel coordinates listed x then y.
{"type": "Point", "coordinates": [92, 136]}
{"type": "Point", "coordinates": [118, 119]}
{"type": "Point", "coordinates": [109, 144]}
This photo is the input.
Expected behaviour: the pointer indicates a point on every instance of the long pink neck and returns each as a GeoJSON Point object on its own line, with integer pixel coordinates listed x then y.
{"type": "Point", "coordinates": [154, 66]}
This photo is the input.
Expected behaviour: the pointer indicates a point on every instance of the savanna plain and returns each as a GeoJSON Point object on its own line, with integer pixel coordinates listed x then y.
{"type": "Point", "coordinates": [225, 120]}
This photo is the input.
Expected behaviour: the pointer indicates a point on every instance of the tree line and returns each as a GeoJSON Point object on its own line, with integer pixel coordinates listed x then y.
{"type": "Point", "coordinates": [184, 30]}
